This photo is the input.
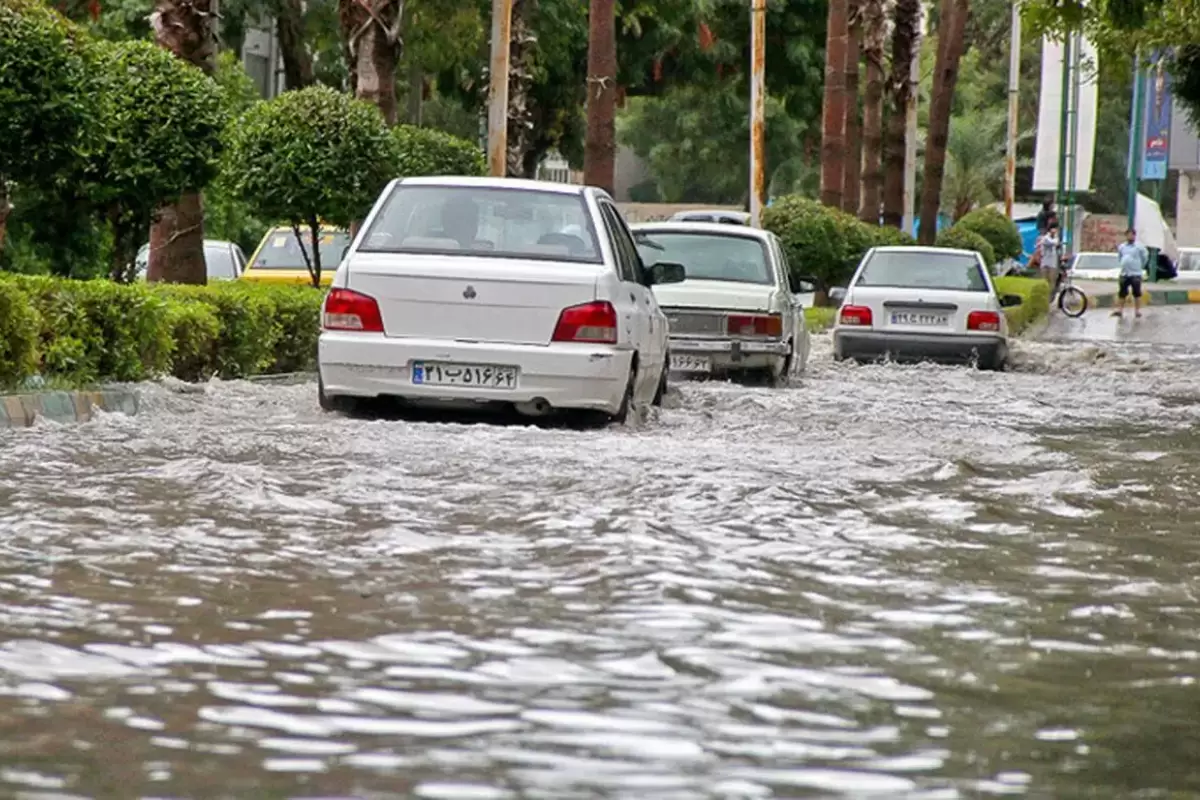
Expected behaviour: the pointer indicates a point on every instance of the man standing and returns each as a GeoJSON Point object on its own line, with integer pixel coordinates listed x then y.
{"type": "Point", "coordinates": [1048, 255]}
{"type": "Point", "coordinates": [1134, 258]}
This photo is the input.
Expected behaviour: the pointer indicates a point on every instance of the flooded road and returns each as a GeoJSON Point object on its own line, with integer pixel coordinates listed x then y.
{"type": "Point", "coordinates": [893, 581]}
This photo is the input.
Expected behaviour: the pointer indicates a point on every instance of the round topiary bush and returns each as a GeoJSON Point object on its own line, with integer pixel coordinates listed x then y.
{"type": "Point", "coordinates": [1000, 231]}
{"type": "Point", "coordinates": [964, 239]}
{"type": "Point", "coordinates": [428, 151]}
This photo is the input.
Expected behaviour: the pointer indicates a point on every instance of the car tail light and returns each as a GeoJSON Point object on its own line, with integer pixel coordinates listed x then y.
{"type": "Point", "coordinates": [755, 325]}
{"type": "Point", "coordinates": [855, 315]}
{"type": "Point", "coordinates": [346, 310]}
{"type": "Point", "coordinates": [590, 322]}
{"type": "Point", "coordinates": [983, 321]}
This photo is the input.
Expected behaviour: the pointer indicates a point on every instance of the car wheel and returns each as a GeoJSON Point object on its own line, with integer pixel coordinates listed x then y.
{"type": "Point", "coordinates": [998, 362]}
{"type": "Point", "coordinates": [661, 392]}
{"type": "Point", "coordinates": [332, 403]}
{"type": "Point", "coordinates": [626, 401]}
{"type": "Point", "coordinates": [783, 378]}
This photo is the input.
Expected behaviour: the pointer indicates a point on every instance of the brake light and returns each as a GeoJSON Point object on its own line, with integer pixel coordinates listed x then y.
{"type": "Point", "coordinates": [855, 315]}
{"type": "Point", "coordinates": [590, 322]}
{"type": "Point", "coordinates": [983, 321]}
{"type": "Point", "coordinates": [755, 325]}
{"type": "Point", "coordinates": [346, 310]}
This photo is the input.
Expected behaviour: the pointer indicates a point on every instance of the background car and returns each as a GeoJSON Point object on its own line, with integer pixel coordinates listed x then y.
{"type": "Point", "coordinates": [1107, 266]}
{"type": "Point", "coordinates": [922, 303]}
{"type": "Point", "coordinates": [722, 215]}
{"type": "Point", "coordinates": [225, 260]}
{"type": "Point", "coordinates": [279, 258]}
{"type": "Point", "coordinates": [494, 291]}
{"type": "Point", "coordinates": [736, 312]}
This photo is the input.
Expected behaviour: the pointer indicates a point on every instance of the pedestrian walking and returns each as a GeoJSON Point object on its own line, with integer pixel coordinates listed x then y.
{"type": "Point", "coordinates": [1134, 259]}
{"type": "Point", "coordinates": [1047, 250]}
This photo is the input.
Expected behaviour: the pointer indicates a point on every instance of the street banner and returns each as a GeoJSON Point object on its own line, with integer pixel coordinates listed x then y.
{"type": "Point", "coordinates": [1156, 122]}
{"type": "Point", "coordinates": [1049, 124]}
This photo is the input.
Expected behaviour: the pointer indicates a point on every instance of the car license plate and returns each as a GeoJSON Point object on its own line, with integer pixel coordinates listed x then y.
{"type": "Point", "coordinates": [920, 319]}
{"type": "Point", "coordinates": [690, 364]}
{"type": "Point", "coordinates": [486, 376]}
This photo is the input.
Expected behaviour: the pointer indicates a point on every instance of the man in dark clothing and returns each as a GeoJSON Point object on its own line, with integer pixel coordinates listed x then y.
{"type": "Point", "coordinates": [1046, 214]}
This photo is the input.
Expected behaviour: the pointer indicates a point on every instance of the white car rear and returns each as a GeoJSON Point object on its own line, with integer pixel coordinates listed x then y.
{"type": "Point", "coordinates": [469, 291]}
{"type": "Point", "coordinates": [923, 303]}
{"type": "Point", "coordinates": [736, 312]}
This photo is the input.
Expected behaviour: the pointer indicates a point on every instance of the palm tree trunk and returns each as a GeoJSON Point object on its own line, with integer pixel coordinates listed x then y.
{"type": "Point", "coordinates": [372, 41]}
{"type": "Point", "coordinates": [522, 48]}
{"type": "Point", "coordinates": [874, 31]}
{"type": "Point", "coordinates": [852, 165]}
{"type": "Point", "coordinates": [187, 28]}
{"type": "Point", "coordinates": [833, 119]}
{"type": "Point", "coordinates": [600, 149]}
{"type": "Point", "coordinates": [951, 39]}
{"type": "Point", "coordinates": [905, 30]}
{"type": "Point", "coordinates": [297, 60]}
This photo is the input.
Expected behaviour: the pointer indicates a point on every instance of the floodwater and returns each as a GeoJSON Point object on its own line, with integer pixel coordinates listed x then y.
{"type": "Point", "coordinates": [896, 581]}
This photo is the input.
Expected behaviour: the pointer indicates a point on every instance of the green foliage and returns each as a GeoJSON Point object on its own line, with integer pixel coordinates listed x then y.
{"type": "Point", "coordinates": [425, 151]}
{"type": "Point", "coordinates": [824, 242]}
{"type": "Point", "coordinates": [311, 155]}
{"type": "Point", "coordinates": [1000, 231]}
{"type": "Point", "coordinates": [962, 238]}
{"type": "Point", "coordinates": [82, 332]}
{"type": "Point", "coordinates": [1035, 301]}
{"type": "Point", "coordinates": [52, 231]}
{"type": "Point", "coordinates": [237, 88]}
{"type": "Point", "coordinates": [42, 112]}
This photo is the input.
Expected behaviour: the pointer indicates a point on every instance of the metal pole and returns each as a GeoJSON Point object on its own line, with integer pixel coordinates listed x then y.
{"type": "Point", "coordinates": [1073, 171]}
{"type": "Point", "coordinates": [758, 91]}
{"type": "Point", "coordinates": [1063, 132]}
{"type": "Point", "coordinates": [1014, 75]}
{"type": "Point", "coordinates": [1135, 144]}
{"type": "Point", "coordinates": [910, 132]}
{"type": "Point", "coordinates": [497, 141]}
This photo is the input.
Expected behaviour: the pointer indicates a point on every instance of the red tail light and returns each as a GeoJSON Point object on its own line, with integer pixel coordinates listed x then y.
{"type": "Point", "coordinates": [983, 321]}
{"type": "Point", "coordinates": [755, 325]}
{"type": "Point", "coordinates": [590, 322]}
{"type": "Point", "coordinates": [346, 310]}
{"type": "Point", "coordinates": [855, 315]}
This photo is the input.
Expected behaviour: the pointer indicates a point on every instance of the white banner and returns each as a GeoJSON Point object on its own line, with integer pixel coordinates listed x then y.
{"type": "Point", "coordinates": [1049, 127]}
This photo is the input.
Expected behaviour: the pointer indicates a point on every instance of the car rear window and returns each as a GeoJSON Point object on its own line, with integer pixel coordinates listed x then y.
{"type": "Point", "coordinates": [709, 256]}
{"type": "Point", "coordinates": [282, 250]}
{"type": "Point", "coordinates": [1097, 261]}
{"type": "Point", "coordinates": [484, 222]}
{"type": "Point", "coordinates": [921, 269]}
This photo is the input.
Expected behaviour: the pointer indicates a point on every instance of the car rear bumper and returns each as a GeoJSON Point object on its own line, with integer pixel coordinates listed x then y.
{"type": "Point", "coordinates": [567, 376]}
{"type": "Point", "coordinates": [727, 354]}
{"type": "Point", "coordinates": [918, 346]}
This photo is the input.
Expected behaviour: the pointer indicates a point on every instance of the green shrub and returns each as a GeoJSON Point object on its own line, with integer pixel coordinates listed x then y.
{"type": "Point", "coordinates": [1035, 301]}
{"type": "Point", "coordinates": [84, 332]}
{"type": "Point", "coordinates": [427, 151]}
{"type": "Point", "coordinates": [1000, 231]}
{"type": "Point", "coordinates": [963, 239]}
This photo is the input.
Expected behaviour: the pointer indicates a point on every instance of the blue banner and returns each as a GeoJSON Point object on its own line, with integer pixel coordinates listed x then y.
{"type": "Point", "coordinates": [1156, 122]}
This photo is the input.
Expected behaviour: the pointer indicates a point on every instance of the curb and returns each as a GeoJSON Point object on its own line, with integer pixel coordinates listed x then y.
{"type": "Point", "coordinates": [22, 410]}
{"type": "Point", "coordinates": [1151, 297]}
{"type": "Point", "coordinates": [284, 378]}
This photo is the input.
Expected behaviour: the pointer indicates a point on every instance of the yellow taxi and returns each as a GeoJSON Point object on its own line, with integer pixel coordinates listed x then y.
{"type": "Point", "coordinates": [279, 259]}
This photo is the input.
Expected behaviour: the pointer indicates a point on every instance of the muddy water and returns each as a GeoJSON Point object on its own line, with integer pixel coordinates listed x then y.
{"type": "Point", "coordinates": [902, 581]}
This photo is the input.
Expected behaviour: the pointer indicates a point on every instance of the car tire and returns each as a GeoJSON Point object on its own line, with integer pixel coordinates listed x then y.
{"type": "Point", "coordinates": [333, 403]}
{"type": "Point", "coordinates": [622, 414]}
{"type": "Point", "coordinates": [661, 392]}
{"type": "Point", "coordinates": [784, 377]}
{"type": "Point", "coordinates": [998, 362]}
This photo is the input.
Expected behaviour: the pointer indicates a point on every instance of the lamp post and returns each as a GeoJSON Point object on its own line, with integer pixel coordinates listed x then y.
{"type": "Point", "coordinates": [758, 91]}
{"type": "Point", "coordinates": [497, 136]}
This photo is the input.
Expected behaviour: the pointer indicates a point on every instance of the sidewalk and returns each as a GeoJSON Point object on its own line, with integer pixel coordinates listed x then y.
{"type": "Point", "coordinates": [1103, 294]}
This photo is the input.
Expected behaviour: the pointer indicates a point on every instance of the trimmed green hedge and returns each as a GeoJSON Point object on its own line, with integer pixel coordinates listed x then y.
{"type": "Point", "coordinates": [428, 151]}
{"type": "Point", "coordinates": [963, 239]}
{"type": "Point", "coordinates": [83, 332]}
{"type": "Point", "coordinates": [1000, 231]}
{"type": "Point", "coordinates": [1035, 301]}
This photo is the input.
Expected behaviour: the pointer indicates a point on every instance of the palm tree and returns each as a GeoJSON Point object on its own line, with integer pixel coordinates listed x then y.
{"type": "Point", "coordinates": [974, 170]}
{"type": "Point", "coordinates": [874, 33]}
{"type": "Point", "coordinates": [852, 165]}
{"type": "Point", "coordinates": [905, 34]}
{"type": "Point", "coordinates": [371, 34]}
{"type": "Point", "coordinates": [951, 38]}
{"type": "Point", "coordinates": [600, 145]}
{"type": "Point", "coordinates": [833, 120]}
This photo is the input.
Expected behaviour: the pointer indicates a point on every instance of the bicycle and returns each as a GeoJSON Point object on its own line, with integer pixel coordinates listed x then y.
{"type": "Point", "coordinates": [1069, 298]}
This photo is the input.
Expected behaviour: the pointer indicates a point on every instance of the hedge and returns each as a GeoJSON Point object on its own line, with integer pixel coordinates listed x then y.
{"type": "Point", "coordinates": [83, 332]}
{"type": "Point", "coordinates": [427, 151]}
{"type": "Point", "coordinates": [1000, 231]}
{"type": "Point", "coordinates": [964, 239]}
{"type": "Point", "coordinates": [1035, 301]}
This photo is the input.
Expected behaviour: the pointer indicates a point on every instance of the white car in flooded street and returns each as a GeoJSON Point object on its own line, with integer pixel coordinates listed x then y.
{"type": "Point", "coordinates": [736, 313]}
{"type": "Point", "coordinates": [922, 304]}
{"type": "Point", "coordinates": [492, 291]}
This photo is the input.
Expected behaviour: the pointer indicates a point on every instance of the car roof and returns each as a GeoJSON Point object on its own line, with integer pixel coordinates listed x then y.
{"type": "Point", "coordinates": [495, 183]}
{"type": "Point", "coordinates": [718, 228]}
{"type": "Point", "coordinates": [903, 248]}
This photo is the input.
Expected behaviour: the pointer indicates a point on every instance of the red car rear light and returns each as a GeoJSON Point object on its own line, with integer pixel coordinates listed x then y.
{"type": "Point", "coordinates": [855, 315]}
{"type": "Point", "coordinates": [347, 310]}
{"type": "Point", "coordinates": [983, 321]}
{"type": "Point", "coordinates": [591, 322]}
{"type": "Point", "coordinates": [754, 325]}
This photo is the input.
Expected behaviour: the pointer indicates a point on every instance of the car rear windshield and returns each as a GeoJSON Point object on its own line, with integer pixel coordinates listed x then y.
{"type": "Point", "coordinates": [281, 250]}
{"type": "Point", "coordinates": [1097, 261]}
{"type": "Point", "coordinates": [490, 222]}
{"type": "Point", "coordinates": [922, 269]}
{"type": "Point", "coordinates": [709, 256]}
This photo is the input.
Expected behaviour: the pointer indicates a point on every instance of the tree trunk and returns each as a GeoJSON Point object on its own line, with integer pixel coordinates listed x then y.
{"type": "Point", "coordinates": [5, 210]}
{"type": "Point", "coordinates": [833, 118]}
{"type": "Point", "coordinates": [905, 32]}
{"type": "Point", "coordinates": [416, 92]}
{"type": "Point", "coordinates": [951, 37]}
{"type": "Point", "coordinates": [874, 31]}
{"type": "Point", "coordinates": [522, 46]}
{"type": "Point", "coordinates": [600, 147]}
{"type": "Point", "coordinates": [297, 61]}
{"type": "Point", "coordinates": [372, 43]}
{"type": "Point", "coordinates": [852, 162]}
{"type": "Point", "coordinates": [187, 28]}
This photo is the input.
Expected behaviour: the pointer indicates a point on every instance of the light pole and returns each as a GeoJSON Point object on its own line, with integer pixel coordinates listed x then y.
{"type": "Point", "coordinates": [1014, 75]}
{"type": "Point", "coordinates": [758, 91]}
{"type": "Point", "coordinates": [497, 139]}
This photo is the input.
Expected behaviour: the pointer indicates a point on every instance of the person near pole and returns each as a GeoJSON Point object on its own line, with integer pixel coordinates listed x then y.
{"type": "Point", "coordinates": [1047, 254]}
{"type": "Point", "coordinates": [1134, 259]}
{"type": "Point", "coordinates": [1046, 214]}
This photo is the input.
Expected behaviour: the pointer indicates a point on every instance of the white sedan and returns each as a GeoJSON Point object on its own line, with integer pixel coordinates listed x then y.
{"type": "Point", "coordinates": [493, 291]}
{"type": "Point", "coordinates": [922, 303]}
{"type": "Point", "coordinates": [736, 312]}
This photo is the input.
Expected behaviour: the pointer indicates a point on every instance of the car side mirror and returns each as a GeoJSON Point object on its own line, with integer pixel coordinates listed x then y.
{"type": "Point", "coordinates": [1010, 300]}
{"type": "Point", "coordinates": [837, 295]}
{"type": "Point", "coordinates": [665, 272]}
